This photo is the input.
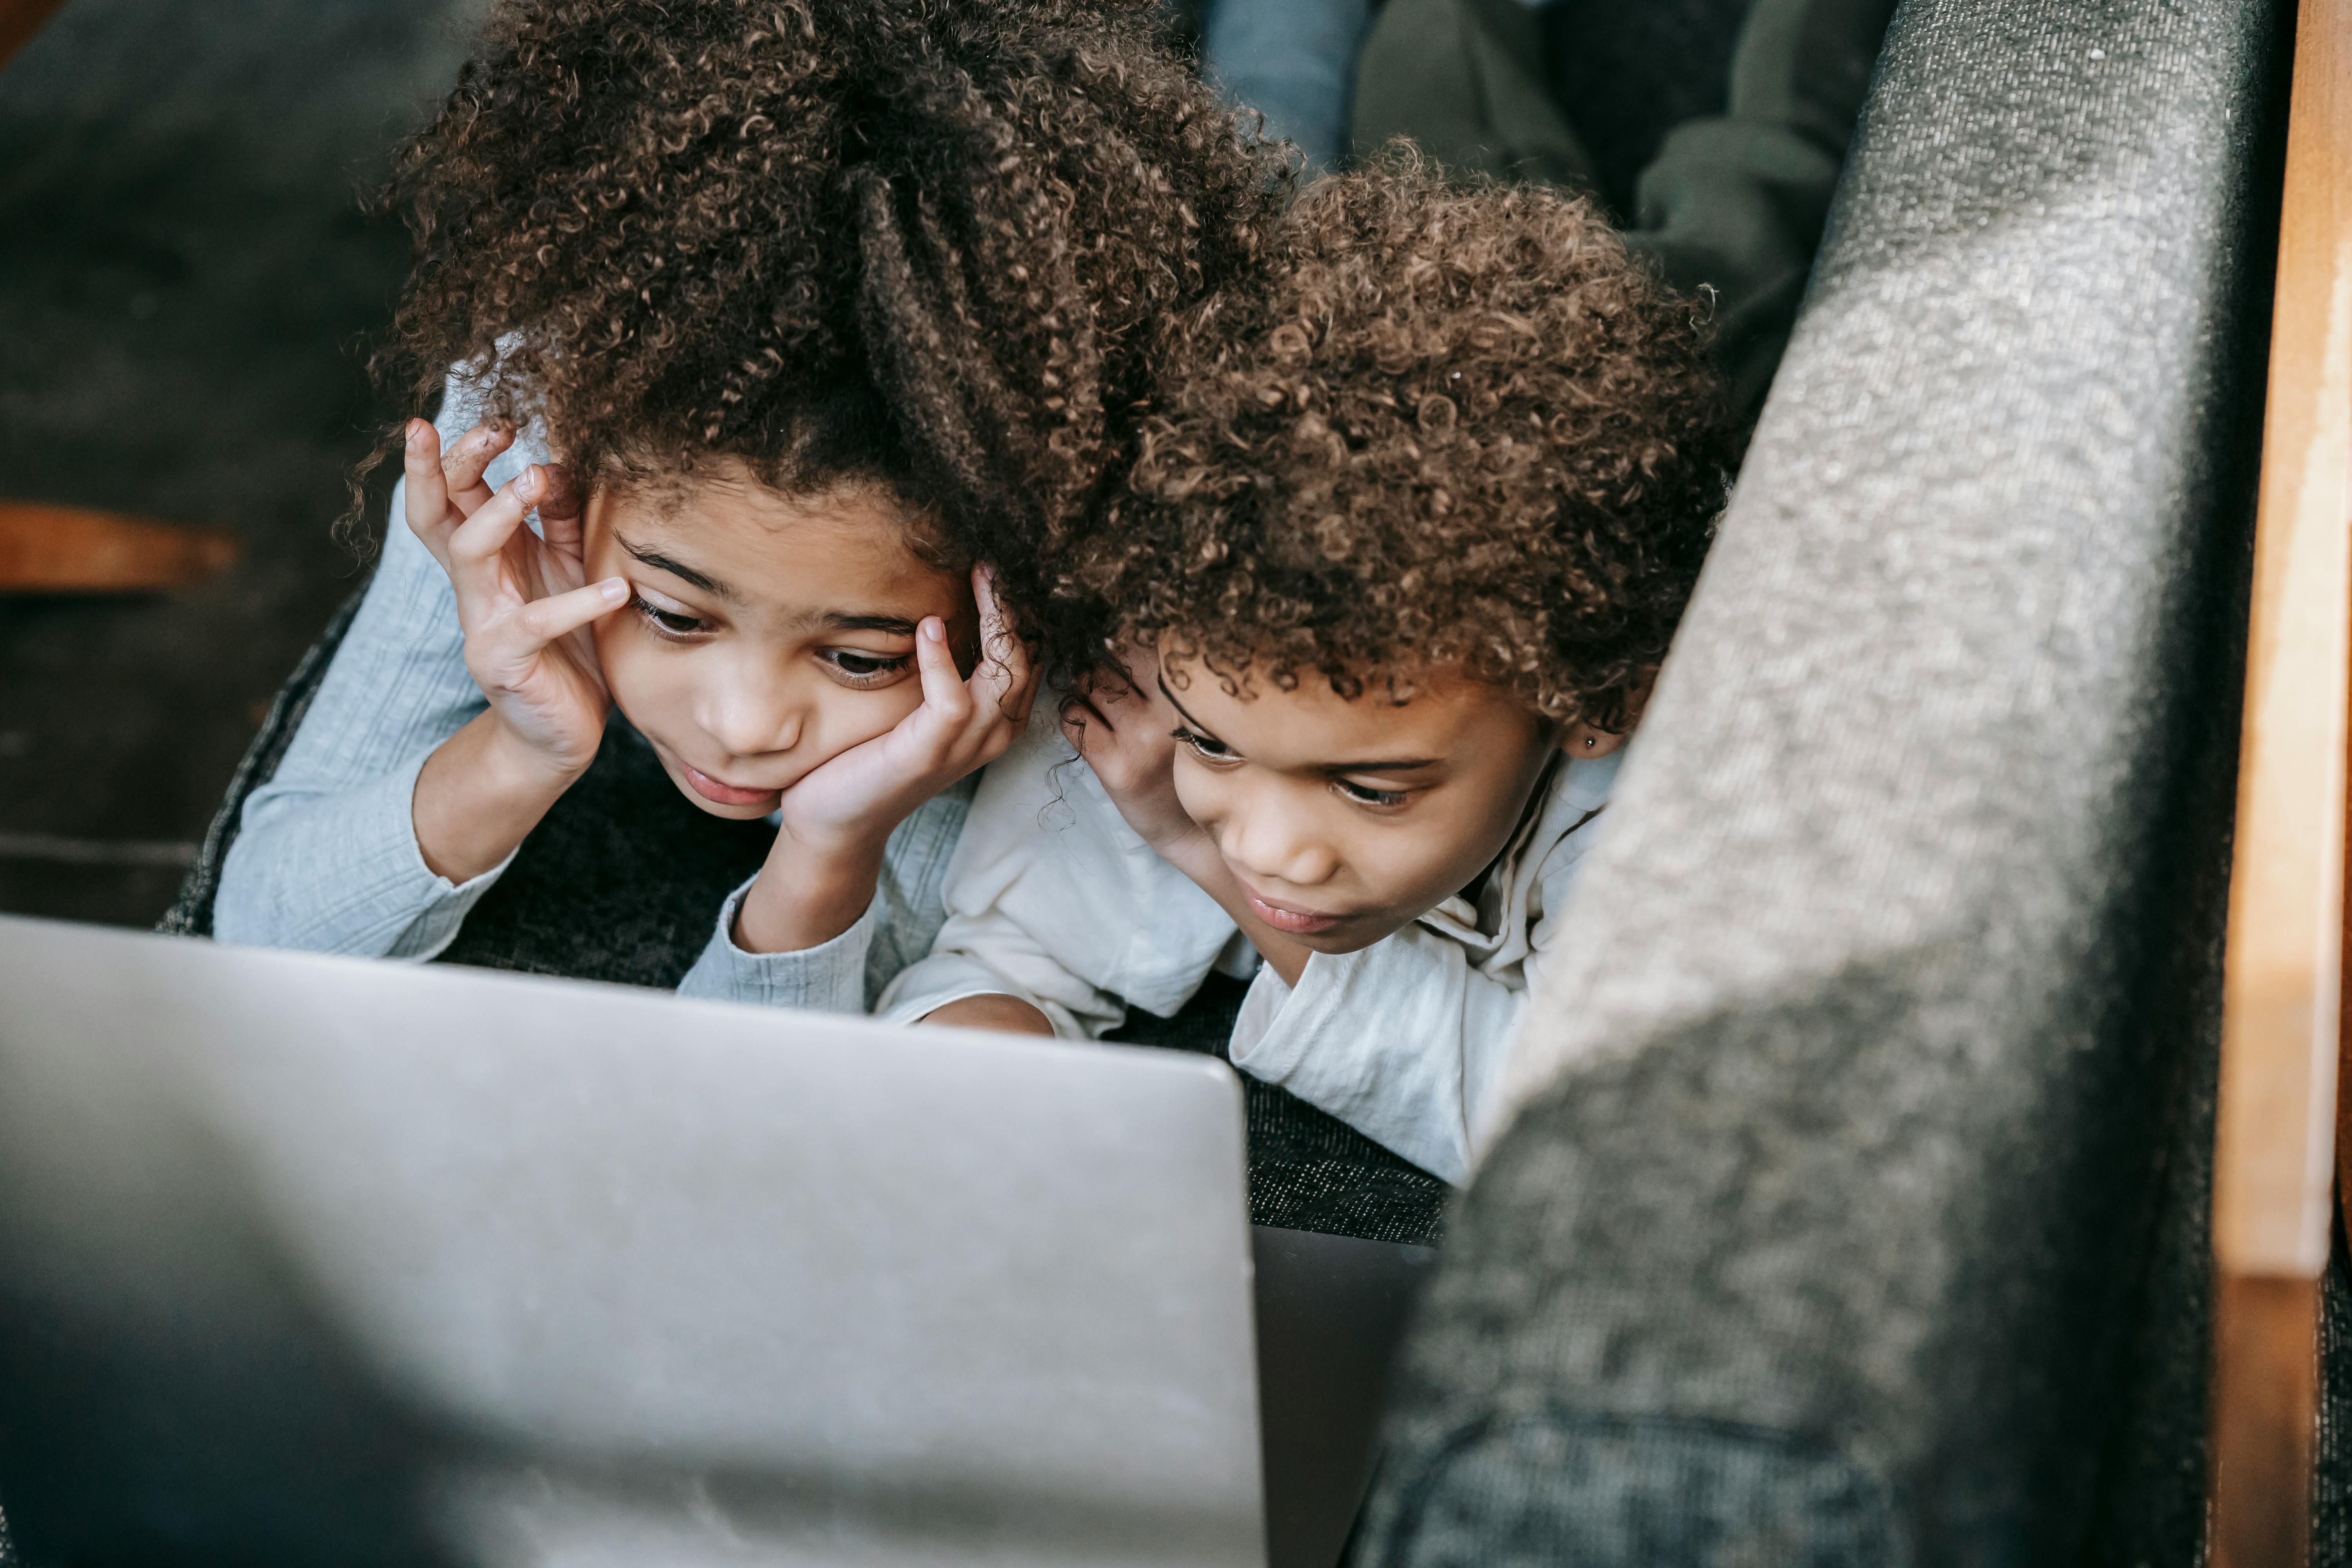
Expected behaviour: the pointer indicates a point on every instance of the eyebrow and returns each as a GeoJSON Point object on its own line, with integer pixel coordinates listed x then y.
{"type": "Point", "coordinates": [1402, 765]}
{"type": "Point", "coordinates": [843, 621]}
{"type": "Point", "coordinates": [831, 620]}
{"type": "Point", "coordinates": [679, 570]}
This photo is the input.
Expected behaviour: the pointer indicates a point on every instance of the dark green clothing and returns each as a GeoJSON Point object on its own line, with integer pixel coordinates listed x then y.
{"type": "Point", "coordinates": [1733, 206]}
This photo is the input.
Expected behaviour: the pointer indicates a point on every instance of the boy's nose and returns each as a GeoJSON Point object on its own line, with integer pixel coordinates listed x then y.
{"type": "Point", "coordinates": [1268, 846]}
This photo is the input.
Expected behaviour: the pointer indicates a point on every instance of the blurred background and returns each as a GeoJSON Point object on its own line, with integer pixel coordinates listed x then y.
{"type": "Point", "coordinates": [185, 280]}
{"type": "Point", "coordinates": [188, 284]}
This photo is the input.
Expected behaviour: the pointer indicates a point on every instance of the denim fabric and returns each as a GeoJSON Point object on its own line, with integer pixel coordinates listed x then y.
{"type": "Point", "coordinates": [1293, 61]}
{"type": "Point", "coordinates": [1732, 206]}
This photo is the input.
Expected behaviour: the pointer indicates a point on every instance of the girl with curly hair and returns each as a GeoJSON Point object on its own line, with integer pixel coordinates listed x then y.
{"type": "Point", "coordinates": [808, 329]}
{"type": "Point", "coordinates": [1397, 565]}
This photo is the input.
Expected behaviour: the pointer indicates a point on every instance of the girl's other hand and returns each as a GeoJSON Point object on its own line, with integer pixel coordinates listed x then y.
{"type": "Point", "coordinates": [521, 598]}
{"type": "Point", "coordinates": [860, 796]}
{"type": "Point", "coordinates": [835, 821]}
{"type": "Point", "coordinates": [1126, 730]}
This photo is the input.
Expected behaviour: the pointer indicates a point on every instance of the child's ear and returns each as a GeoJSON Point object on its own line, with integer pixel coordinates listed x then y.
{"type": "Point", "coordinates": [1584, 739]}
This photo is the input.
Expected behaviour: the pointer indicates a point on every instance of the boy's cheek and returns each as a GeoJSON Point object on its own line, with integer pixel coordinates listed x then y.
{"type": "Point", "coordinates": [1196, 791]}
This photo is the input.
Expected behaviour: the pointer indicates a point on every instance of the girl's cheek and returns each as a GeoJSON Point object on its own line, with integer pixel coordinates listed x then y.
{"type": "Point", "coordinates": [635, 686]}
{"type": "Point", "coordinates": [848, 718]}
{"type": "Point", "coordinates": [898, 702]}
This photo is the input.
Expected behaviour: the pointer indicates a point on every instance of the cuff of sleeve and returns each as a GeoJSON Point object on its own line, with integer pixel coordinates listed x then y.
{"type": "Point", "coordinates": [1260, 1044]}
{"type": "Point", "coordinates": [386, 901]}
{"type": "Point", "coordinates": [827, 978]}
{"type": "Point", "coordinates": [922, 989]}
{"type": "Point", "coordinates": [445, 903]}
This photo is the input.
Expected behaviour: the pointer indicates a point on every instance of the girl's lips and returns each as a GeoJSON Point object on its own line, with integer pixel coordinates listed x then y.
{"type": "Point", "coordinates": [1298, 923]}
{"type": "Point", "coordinates": [709, 788]}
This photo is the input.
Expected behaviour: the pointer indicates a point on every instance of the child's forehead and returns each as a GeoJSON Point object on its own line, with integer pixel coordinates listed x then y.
{"type": "Point", "coordinates": [1302, 710]}
{"type": "Point", "coordinates": [762, 545]}
{"type": "Point", "coordinates": [726, 490]}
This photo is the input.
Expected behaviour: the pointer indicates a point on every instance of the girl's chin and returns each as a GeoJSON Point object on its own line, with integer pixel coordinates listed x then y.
{"type": "Point", "coordinates": [716, 798]}
{"type": "Point", "coordinates": [731, 813]}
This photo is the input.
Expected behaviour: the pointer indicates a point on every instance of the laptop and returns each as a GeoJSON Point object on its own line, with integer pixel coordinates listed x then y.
{"type": "Point", "coordinates": [307, 1259]}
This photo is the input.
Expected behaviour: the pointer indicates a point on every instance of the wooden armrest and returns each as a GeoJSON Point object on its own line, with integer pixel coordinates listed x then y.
{"type": "Point", "coordinates": [66, 550]}
{"type": "Point", "coordinates": [19, 20]}
{"type": "Point", "coordinates": [2282, 1003]}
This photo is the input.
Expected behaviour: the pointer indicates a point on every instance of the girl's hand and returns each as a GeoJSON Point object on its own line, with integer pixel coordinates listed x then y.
{"type": "Point", "coordinates": [520, 598]}
{"type": "Point", "coordinates": [1126, 731]}
{"type": "Point", "coordinates": [858, 797]}
{"type": "Point", "coordinates": [835, 822]}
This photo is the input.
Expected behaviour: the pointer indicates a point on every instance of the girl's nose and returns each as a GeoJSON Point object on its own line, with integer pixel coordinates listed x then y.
{"type": "Point", "coordinates": [752, 712]}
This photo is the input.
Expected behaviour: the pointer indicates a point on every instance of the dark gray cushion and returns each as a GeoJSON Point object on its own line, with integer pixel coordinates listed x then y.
{"type": "Point", "coordinates": [1855, 1207]}
{"type": "Point", "coordinates": [2331, 1522]}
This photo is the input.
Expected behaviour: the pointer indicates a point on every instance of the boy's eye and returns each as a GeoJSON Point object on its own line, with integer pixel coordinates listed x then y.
{"type": "Point", "coordinates": [1366, 794]}
{"type": "Point", "coordinates": [861, 668]}
{"type": "Point", "coordinates": [671, 623]}
{"type": "Point", "coordinates": [1208, 746]}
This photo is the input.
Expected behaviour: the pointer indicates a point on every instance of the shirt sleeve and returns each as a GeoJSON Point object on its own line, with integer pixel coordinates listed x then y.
{"type": "Point", "coordinates": [1402, 1041]}
{"type": "Point", "coordinates": [848, 975]}
{"type": "Point", "coordinates": [1054, 898]}
{"type": "Point", "coordinates": [326, 856]}
{"type": "Point", "coordinates": [827, 978]}
{"type": "Point", "coordinates": [991, 956]}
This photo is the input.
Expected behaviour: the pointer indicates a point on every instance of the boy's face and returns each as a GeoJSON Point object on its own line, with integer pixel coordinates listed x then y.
{"type": "Point", "coordinates": [767, 634]}
{"type": "Point", "coordinates": [1345, 821]}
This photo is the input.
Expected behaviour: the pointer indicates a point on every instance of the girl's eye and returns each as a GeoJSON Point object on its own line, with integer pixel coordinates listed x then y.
{"type": "Point", "coordinates": [1366, 796]}
{"type": "Point", "coordinates": [667, 622]}
{"type": "Point", "coordinates": [1207, 746]}
{"type": "Point", "coordinates": [860, 667]}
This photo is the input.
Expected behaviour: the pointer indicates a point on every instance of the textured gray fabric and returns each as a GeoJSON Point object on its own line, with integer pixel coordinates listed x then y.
{"type": "Point", "coordinates": [2331, 1512]}
{"type": "Point", "coordinates": [1870, 1161]}
{"type": "Point", "coordinates": [191, 913]}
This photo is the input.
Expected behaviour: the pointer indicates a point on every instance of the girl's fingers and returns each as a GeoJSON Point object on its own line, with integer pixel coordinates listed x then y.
{"type": "Point", "coordinates": [429, 493]}
{"type": "Point", "coordinates": [545, 620]}
{"type": "Point", "coordinates": [1003, 679]}
{"type": "Point", "coordinates": [943, 689]}
{"type": "Point", "coordinates": [560, 509]}
{"type": "Point", "coordinates": [476, 543]}
{"type": "Point", "coordinates": [1017, 702]}
{"type": "Point", "coordinates": [462, 465]}
{"type": "Point", "coordinates": [1085, 724]}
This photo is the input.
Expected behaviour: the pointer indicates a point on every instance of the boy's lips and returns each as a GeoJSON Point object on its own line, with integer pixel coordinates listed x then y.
{"type": "Point", "coordinates": [1297, 923]}
{"type": "Point", "coordinates": [709, 788]}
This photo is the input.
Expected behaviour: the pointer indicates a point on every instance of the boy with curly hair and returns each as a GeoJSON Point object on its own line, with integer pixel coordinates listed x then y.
{"type": "Point", "coordinates": [1397, 565]}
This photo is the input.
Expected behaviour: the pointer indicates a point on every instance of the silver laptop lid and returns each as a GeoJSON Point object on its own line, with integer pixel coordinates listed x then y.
{"type": "Point", "coordinates": [364, 1261]}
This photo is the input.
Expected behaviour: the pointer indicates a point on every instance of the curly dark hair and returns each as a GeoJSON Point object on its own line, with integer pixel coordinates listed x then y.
{"type": "Point", "coordinates": [1460, 428]}
{"type": "Point", "coordinates": [931, 243]}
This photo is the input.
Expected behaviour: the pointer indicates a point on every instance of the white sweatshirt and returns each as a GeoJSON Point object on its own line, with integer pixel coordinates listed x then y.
{"type": "Point", "coordinates": [1052, 897]}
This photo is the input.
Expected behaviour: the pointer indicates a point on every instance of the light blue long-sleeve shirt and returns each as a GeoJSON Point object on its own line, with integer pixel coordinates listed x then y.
{"type": "Point", "coordinates": [326, 858]}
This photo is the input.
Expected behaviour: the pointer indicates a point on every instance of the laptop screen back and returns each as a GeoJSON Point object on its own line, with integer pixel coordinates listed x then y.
{"type": "Point", "coordinates": [324, 1259]}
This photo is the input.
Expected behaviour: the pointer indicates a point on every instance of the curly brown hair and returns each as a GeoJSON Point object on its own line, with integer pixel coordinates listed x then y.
{"type": "Point", "coordinates": [1462, 429]}
{"type": "Point", "coordinates": [931, 243]}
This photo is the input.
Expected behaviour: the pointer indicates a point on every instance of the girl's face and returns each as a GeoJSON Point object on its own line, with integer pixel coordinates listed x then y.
{"type": "Point", "coordinates": [1346, 821]}
{"type": "Point", "coordinates": [767, 634]}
